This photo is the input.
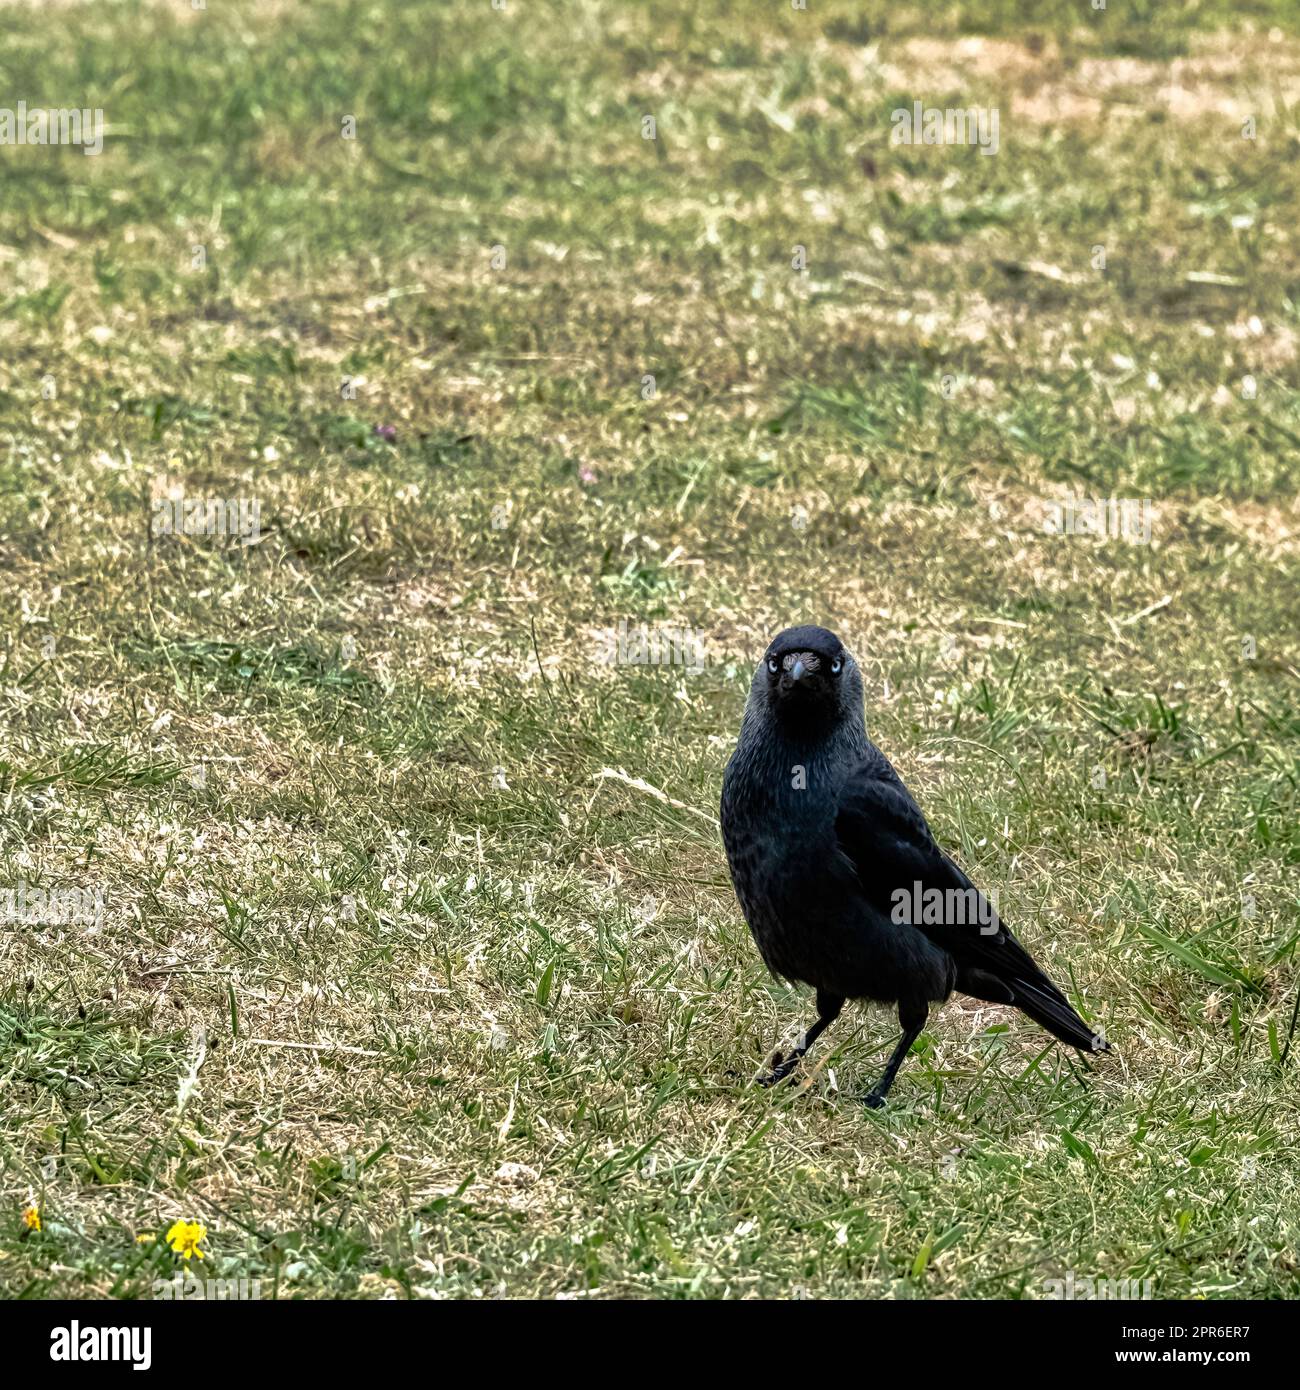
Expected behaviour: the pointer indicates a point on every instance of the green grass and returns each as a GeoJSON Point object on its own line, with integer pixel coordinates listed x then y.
{"type": "Point", "coordinates": [395, 989]}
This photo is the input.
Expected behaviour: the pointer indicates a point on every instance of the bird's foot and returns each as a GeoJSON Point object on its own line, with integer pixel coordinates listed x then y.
{"type": "Point", "coordinates": [781, 1069]}
{"type": "Point", "coordinates": [873, 1101]}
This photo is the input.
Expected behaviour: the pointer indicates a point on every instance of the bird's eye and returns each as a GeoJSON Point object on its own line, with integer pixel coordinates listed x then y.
{"type": "Point", "coordinates": [772, 666]}
{"type": "Point", "coordinates": [836, 666]}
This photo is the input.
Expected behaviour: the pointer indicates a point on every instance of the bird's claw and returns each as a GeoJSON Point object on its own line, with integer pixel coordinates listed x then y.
{"type": "Point", "coordinates": [781, 1069]}
{"type": "Point", "coordinates": [873, 1101]}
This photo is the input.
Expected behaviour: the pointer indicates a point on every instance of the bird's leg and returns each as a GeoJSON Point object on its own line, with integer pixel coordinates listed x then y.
{"type": "Point", "coordinates": [912, 1018]}
{"type": "Point", "coordinates": [828, 1009]}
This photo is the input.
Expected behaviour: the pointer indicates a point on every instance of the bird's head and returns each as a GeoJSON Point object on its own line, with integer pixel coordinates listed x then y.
{"type": "Point", "coordinates": [809, 681]}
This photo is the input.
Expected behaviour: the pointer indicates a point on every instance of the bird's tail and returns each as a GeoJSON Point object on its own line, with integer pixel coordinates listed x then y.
{"type": "Point", "coordinates": [1045, 1004]}
{"type": "Point", "coordinates": [1034, 994]}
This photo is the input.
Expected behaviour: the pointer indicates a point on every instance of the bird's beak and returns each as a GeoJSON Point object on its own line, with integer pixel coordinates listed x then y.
{"type": "Point", "coordinates": [797, 670]}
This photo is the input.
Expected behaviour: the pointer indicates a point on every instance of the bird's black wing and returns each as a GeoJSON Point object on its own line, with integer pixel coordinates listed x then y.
{"type": "Point", "coordinates": [881, 829]}
{"type": "Point", "coordinates": [882, 832]}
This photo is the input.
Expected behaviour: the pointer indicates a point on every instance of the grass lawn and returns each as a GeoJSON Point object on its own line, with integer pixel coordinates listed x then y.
{"type": "Point", "coordinates": [414, 968]}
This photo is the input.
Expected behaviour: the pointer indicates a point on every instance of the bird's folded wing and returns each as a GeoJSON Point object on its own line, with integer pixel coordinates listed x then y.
{"type": "Point", "coordinates": [882, 831]}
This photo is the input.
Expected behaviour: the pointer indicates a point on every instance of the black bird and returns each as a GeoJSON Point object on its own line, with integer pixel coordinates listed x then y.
{"type": "Point", "coordinates": [838, 875]}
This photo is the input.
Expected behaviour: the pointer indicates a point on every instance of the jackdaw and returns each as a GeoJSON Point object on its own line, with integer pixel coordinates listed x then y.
{"type": "Point", "coordinates": [837, 872]}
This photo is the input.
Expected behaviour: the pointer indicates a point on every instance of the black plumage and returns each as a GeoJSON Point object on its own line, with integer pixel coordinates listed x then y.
{"type": "Point", "coordinates": [831, 858]}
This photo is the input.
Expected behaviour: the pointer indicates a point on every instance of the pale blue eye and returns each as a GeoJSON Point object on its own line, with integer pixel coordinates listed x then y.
{"type": "Point", "coordinates": [771, 665]}
{"type": "Point", "coordinates": [836, 666]}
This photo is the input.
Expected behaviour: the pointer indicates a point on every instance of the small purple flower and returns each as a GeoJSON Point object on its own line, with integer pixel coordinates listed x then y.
{"type": "Point", "coordinates": [388, 433]}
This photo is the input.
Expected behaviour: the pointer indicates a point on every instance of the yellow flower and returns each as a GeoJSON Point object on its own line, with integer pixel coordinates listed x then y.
{"type": "Point", "coordinates": [32, 1219]}
{"type": "Point", "coordinates": [184, 1238]}
{"type": "Point", "coordinates": [145, 1238]}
